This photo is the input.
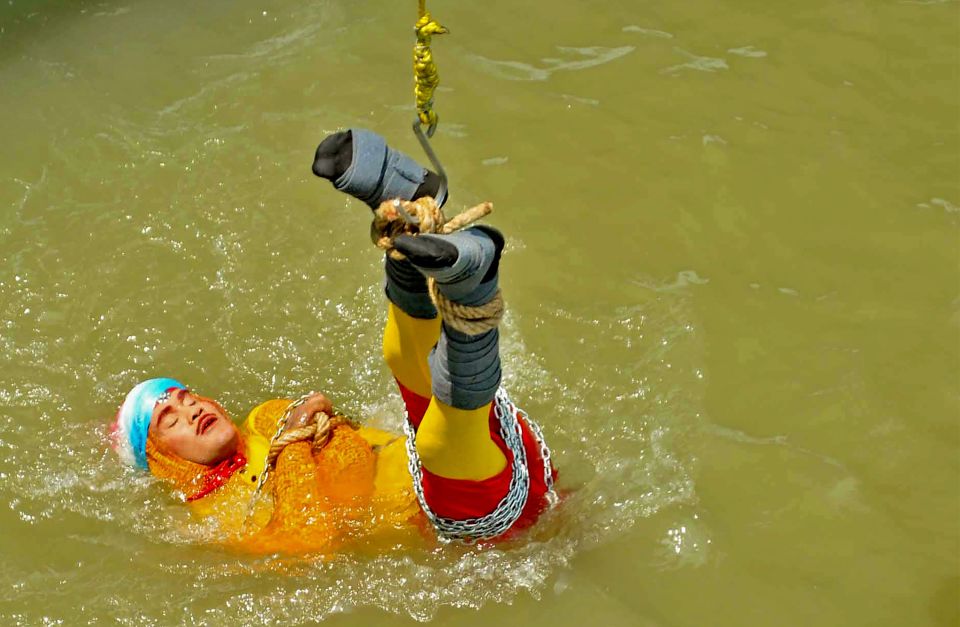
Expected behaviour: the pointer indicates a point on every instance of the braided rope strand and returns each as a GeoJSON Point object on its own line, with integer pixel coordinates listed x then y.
{"type": "Point", "coordinates": [401, 217]}
{"type": "Point", "coordinates": [472, 320]}
{"type": "Point", "coordinates": [425, 72]}
{"type": "Point", "coordinates": [319, 432]}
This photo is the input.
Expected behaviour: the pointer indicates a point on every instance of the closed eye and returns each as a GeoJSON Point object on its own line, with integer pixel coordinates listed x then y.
{"type": "Point", "coordinates": [164, 419]}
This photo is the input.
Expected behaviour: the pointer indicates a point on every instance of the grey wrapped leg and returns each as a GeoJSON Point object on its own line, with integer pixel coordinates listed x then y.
{"type": "Point", "coordinates": [465, 367]}
{"type": "Point", "coordinates": [377, 172]}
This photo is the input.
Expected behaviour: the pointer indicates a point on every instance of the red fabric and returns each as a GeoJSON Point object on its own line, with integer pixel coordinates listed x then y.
{"type": "Point", "coordinates": [463, 498]}
{"type": "Point", "coordinates": [219, 475]}
{"type": "Point", "coordinates": [416, 405]}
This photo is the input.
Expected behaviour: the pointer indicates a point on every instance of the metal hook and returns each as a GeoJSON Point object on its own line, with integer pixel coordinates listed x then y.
{"type": "Point", "coordinates": [427, 148]}
{"type": "Point", "coordinates": [406, 215]}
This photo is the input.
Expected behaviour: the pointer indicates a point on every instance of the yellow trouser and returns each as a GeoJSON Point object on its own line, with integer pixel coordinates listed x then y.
{"type": "Point", "coordinates": [453, 443]}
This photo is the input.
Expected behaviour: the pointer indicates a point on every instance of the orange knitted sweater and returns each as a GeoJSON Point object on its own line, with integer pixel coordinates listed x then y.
{"type": "Point", "coordinates": [354, 491]}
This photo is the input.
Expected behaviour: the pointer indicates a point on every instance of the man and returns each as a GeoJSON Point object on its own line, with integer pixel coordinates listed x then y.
{"type": "Point", "coordinates": [477, 464]}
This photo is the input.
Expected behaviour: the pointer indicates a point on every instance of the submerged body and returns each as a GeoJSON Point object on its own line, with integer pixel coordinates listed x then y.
{"type": "Point", "coordinates": [358, 485]}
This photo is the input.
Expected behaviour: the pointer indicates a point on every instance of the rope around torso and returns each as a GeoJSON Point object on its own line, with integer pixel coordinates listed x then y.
{"type": "Point", "coordinates": [318, 432]}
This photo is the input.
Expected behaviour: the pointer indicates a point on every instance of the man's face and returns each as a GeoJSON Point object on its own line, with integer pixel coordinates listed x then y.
{"type": "Point", "coordinates": [194, 428]}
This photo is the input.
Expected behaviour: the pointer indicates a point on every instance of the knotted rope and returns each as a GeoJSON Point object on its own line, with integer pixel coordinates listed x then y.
{"type": "Point", "coordinates": [397, 217]}
{"type": "Point", "coordinates": [400, 217]}
{"type": "Point", "coordinates": [318, 432]}
{"type": "Point", "coordinates": [472, 320]}
{"type": "Point", "coordinates": [425, 73]}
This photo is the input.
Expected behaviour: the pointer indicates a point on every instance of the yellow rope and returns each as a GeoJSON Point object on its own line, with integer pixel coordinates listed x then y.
{"type": "Point", "coordinates": [426, 75]}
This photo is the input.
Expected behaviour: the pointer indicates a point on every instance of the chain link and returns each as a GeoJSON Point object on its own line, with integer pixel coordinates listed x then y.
{"type": "Point", "coordinates": [467, 530]}
{"type": "Point", "coordinates": [511, 506]}
{"type": "Point", "coordinates": [552, 498]}
{"type": "Point", "coordinates": [281, 424]}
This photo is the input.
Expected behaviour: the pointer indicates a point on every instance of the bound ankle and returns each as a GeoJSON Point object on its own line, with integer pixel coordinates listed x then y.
{"type": "Point", "coordinates": [469, 277]}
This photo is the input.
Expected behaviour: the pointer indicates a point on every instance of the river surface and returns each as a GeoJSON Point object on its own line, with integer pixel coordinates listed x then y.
{"type": "Point", "coordinates": [733, 280]}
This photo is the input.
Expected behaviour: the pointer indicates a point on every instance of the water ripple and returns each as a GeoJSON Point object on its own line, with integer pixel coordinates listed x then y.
{"type": "Point", "coordinates": [520, 71]}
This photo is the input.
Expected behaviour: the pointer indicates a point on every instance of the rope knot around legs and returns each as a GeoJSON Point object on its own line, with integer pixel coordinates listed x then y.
{"type": "Point", "coordinates": [472, 320]}
{"type": "Point", "coordinates": [402, 217]}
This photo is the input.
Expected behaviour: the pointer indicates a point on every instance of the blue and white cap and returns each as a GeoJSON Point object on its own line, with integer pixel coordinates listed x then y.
{"type": "Point", "coordinates": [133, 419]}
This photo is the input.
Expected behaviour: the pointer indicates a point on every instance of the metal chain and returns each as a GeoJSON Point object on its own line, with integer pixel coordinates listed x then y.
{"type": "Point", "coordinates": [552, 498]}
{"type": "Point", "coordinates": [281, 423]}
{"type": "Point", "coordinates": [511, 506]}
{"type": "Point", "coordinates": [468, 530]}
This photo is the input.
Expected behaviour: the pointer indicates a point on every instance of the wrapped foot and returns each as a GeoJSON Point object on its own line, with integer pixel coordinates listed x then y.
{"type": "Point", "coordinates": [462, 272]}
{"type": "Point", "coordinates": [427, 252]}
{"type": "Point", "coordinates": [471, 278]}
{"type": "Point", "coordinates": [360, 163]}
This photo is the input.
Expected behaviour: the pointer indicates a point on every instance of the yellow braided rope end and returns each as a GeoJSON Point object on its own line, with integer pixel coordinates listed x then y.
{"type": "Point", "coordinates": [426, 75]}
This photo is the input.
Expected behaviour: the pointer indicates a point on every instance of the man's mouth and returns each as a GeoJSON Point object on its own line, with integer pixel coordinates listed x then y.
{"type": "Point", "coordinates": [206, 421]}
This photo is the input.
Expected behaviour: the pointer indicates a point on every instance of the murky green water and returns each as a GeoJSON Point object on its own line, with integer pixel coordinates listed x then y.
{"type": "Point", "coordinates": [733, 276]}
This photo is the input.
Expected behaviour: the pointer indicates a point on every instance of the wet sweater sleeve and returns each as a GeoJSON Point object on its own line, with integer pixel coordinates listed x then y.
{"type": "Point", "coordinates": [301, 520]}
{"type": "Point", "coordinates": [295, 487]}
